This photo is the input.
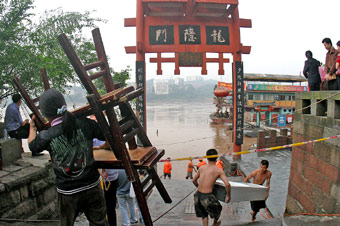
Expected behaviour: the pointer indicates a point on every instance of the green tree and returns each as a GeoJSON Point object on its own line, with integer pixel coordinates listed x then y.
{"type": "Point", "coordinates": [27, 46]}
{"type": "Point", "coordinates": [117, 77]}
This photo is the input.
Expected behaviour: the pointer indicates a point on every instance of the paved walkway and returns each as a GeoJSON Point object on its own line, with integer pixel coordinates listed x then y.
{"type": "Point", "coordinates": [182, 211]}
{"type": "Point", "coordinates": [184, 214]}
{"type": "Point", "coordinates": [279, 165]}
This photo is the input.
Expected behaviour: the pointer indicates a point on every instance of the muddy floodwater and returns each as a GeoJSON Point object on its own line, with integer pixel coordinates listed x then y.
{"type": "Point", "coordinates": [183, 129]}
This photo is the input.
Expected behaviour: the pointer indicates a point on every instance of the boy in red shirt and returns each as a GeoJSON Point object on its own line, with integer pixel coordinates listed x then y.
{"type": "Point", "coordinates": [167, 168]}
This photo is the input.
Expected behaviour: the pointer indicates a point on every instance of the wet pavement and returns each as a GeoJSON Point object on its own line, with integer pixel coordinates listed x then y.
{"type": "Point", "coordinates": [279, 165]}
{"type": "Point", "coordinates": [183, 213]}
{"type": "Point", "coordinates": [181, 210]}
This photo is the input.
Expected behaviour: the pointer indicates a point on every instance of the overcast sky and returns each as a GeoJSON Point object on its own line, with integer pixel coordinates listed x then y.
{"type": "Point", "coordinates": [281, 33]}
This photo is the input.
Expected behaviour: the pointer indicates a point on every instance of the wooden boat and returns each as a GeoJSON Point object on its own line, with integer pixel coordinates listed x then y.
{"type": "Point", "coordinates": [223, 110]}
{"type": "Point", "coordinates": [219, 120]}
{"type": "Point", "coordinates": [240, 191]}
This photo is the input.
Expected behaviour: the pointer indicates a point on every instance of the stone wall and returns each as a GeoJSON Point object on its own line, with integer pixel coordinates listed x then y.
{"type": "Point", "coordinates": [27, 191]}
{"type": "Point", "coordinates": [273, 140]}
{"type": "Point", "coordinates": [10, 151]}
{"type": "Point", "coordinates": [314, 184]}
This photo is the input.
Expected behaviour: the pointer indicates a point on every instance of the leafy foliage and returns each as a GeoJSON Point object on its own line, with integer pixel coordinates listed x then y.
{"type": "Point", "coordinates": [27, 46]}
{"type": "Point", "coordinates": [117, 77]}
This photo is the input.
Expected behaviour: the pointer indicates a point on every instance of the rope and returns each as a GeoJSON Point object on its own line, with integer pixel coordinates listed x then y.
{"type": "Point", "coordinates": [264, 215]}
{"type": "Point", "coordinates": [268, 214]}
{"type": "Point", "coordinates": [285, 146]}
{"type": "Point", "coordinates": [313, 214]}
{"type": "Point", "coordinates": [173, 206]}
{"type": "Point", "coordinates": [237, 173]}
{"type": "Point", "coordinates": [256, 150]}
{"type": "Point", "coordinates": [25, 220]}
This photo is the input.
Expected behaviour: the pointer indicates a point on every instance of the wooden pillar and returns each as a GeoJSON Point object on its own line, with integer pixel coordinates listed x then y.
{"type": "Point", "coordinates": [235, 38]}
{"type": "Point", "coordinates": [140, 64]}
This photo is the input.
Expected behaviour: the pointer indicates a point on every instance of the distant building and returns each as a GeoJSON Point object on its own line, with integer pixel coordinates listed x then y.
{"type": "Point", "coordinates": [269, 95]}
{"type": "Point", "coordinates": [161, 87]}
{"type": "Point", "coordinates": [193, 78]}
{"type": "Point", "coordinates": [171, 81]}
{"type": "Point", "coordinates": [179, 81]}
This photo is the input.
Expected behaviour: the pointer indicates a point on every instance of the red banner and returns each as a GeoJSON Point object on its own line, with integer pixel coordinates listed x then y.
{"type": "Point", "coordinates": [229, 86]}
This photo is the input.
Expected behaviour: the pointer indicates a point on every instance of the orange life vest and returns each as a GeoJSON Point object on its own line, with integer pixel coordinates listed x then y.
{"type": "Point", "coordinates": [219, 164]}
{"type": "Point", "coordinates": [201, 164]}
{"type": "Point", "coordinates": [190, 167]}
{"type": "Point", "coordinates": [167, 167]}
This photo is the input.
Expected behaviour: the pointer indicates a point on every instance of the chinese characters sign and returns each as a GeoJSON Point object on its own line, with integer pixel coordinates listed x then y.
{"type": "Point", "coordinates": [239, 102]}
{"type": "Point", "coordinates": [229, 86]}
{"type": "Point", "coordinates": [140, 84]}
{"type": "Point", "coordinates": [161, 35]}
{"type": "Point", "coordinates": [217, 35]}
{"type": "Point", "coordinates": [188, 35]}
{"type": "Point", "coordinates": [276, 88]}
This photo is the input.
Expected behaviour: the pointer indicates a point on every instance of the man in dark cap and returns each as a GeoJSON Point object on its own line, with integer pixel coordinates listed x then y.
{"type": "Point", "coordinates": [69, 141]}
{"type": "Point", "coordinates": [15, 126]}
{"type": "Point", "coordinates": [311, 72]}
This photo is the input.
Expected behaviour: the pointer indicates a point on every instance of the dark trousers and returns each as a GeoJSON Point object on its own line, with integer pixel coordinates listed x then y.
{"type": "Point", "coordinates": [91, 202]}
{"type": "Point", "coordinates": [257, 205]}
{"type": "Point", "coordinates": [111, 199]}
{"type": "Point", "coordinates": [314, 86]}
{"type": "Point", "coordinates": [21, 133]}
{"type": "Point", "coordinates": [333, 84]}
{"type": "Point", "coordinates": [338, 81]}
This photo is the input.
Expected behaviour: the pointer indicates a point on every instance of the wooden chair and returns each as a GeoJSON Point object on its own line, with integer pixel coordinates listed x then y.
{"type": "Point", "coordinates": [117, 131]}
{"type": "Point", "coordinates": [40, 121]}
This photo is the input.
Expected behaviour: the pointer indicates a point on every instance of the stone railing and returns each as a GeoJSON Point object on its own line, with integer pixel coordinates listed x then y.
{"type": "Point", "coordinates": [314, 184]}
{"type": "Point", "coordinates": [27, 190]}
{"type": "Point", "coordinates": [273, 139]}
{"type": "Point", "coordinates": [27, 185]}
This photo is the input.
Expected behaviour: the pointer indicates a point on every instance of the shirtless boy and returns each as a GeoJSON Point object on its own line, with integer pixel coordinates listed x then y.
{"type": "Point", "coordinates": [205, 202]}
{"type": "Point", "coordinates": [260, 176]}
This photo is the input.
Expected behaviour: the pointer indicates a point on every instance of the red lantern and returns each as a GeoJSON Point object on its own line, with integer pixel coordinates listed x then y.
{"type": "Point", "coordinates": [221, 92]}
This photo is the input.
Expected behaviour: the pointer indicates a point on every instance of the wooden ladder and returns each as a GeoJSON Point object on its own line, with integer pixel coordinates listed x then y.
{"type": "Point", "coordinates": [118, 131]}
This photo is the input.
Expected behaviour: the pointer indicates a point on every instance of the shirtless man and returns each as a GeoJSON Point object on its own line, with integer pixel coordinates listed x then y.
{"type": "Point", "coordinates": [260, 175]}
{"type": "Point", "coordinates": [205, 202]}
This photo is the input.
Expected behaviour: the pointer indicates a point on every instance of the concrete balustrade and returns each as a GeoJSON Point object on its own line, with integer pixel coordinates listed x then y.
{"type": "Point", "coordinates": [314, 183]}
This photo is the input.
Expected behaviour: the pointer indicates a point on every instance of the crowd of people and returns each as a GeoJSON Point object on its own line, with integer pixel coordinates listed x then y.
{"type": "Point", "coordinates": [70, 142]}
{"type": "Point", "coordinates": [167, 167]}
{"type": "Point", "coordinates": [325, 77]}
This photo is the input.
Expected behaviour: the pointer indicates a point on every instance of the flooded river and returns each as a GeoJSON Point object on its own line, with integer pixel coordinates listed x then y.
{"type": "Point", "coordinates": [184, 130]}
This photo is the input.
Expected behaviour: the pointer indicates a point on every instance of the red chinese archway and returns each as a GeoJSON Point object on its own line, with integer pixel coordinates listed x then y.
{"type": "Point", "coordinates": [190, 29]}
